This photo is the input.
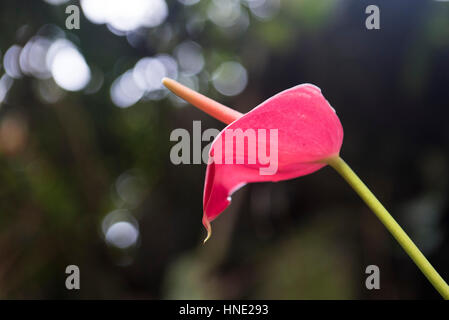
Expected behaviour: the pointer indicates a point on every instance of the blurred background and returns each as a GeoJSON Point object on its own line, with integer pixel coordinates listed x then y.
{"type": "Point", "coordinates": [85, 171]}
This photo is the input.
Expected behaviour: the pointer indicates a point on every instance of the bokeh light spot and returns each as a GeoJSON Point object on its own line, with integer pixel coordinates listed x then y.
{"type": "Point", "coordinates": [230, 78]}
{"type": "Point", "coordinates": [68, 67]}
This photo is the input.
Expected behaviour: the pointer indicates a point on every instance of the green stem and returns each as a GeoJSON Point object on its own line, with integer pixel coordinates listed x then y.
{"type": "Point", "coordinates": [398, 233]}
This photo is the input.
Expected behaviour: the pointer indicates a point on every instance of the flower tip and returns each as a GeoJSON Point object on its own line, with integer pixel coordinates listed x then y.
{"type": "Point", "coordinates": [166, 81]}
{"type": "Point", "coordinates": [209, 233]}
{"type": "Point", "coordinates": [209, 230]}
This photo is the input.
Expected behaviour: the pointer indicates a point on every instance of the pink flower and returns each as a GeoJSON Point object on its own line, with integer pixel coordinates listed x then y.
{"type": "Point", "coordinates": [287, 136]}
{"type": "Point", "coordinates": [298, 131]}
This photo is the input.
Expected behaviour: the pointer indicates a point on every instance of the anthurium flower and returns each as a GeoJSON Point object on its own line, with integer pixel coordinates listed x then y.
{"type": "Point", "coordinates": [294, 133]}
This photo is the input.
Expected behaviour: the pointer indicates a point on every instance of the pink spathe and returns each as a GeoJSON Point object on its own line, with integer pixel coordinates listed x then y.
{"type": "Point", "coordinates": [298, 126]}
